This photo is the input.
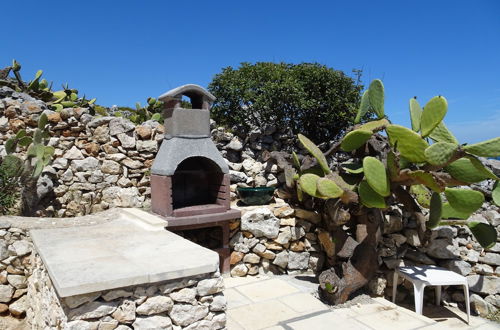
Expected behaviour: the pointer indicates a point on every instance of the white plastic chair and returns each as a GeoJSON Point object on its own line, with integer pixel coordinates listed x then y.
{"type": "Point", "coordinates": [422, 276]}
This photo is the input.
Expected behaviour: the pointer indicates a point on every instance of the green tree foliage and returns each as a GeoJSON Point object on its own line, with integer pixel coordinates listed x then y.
{"type": "Point", "coordinates": [309, 98]}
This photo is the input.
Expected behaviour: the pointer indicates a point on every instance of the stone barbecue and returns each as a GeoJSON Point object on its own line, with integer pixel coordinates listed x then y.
{"type": "Point", "coordinates": [189, 178]}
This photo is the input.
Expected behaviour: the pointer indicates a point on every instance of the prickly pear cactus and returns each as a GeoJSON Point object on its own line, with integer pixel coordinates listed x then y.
{"type": "Point", "coordinates": [421, 167]}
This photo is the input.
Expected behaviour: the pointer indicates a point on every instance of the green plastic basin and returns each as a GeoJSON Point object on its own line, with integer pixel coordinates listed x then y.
{"type": "Point", "coordinates": [256, 196]}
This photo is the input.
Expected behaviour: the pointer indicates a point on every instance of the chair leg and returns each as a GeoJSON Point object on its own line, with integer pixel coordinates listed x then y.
{"type": "Point", "coordinates": [394, 286]}
{"type": "Point", "coordinates": [438, 295]}
{"type": "Point", "coordinates": [418, 290]}
{"type": "Point", "coordinates": [467, 303]}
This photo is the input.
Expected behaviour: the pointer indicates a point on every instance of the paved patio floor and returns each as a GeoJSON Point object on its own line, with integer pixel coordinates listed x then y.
{"type": "Point", "coordinates": [285, 303]}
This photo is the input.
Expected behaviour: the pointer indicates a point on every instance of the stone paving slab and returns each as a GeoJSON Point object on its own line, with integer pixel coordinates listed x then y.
{"type": "Point", "coordinates": [123, 252]}
{"type": "Point", "coordinates": [284, 303]}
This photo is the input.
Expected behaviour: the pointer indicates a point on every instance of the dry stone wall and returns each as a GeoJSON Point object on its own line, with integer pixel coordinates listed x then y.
{"type": "Point", "coordinates": [104, 162]}
{"type": "Point", "coordinates": [275, 239]}
{"type": "Point", "coordinates": [188, 303]}
{"type": "Point", "coordinates": [15, 252]}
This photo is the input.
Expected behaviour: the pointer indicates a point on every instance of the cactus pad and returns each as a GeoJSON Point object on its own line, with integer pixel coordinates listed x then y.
{"type": "Point", "coordinates": [329, 189]}
{"type": "Point", "coordinates": [355, 139]}
{"type": "Point", "coordinates": [427, 179]}
{"type": "Point", "coordinates": [442, 134]}
{"type": "Point", "coordinates": [369, 197]}
{"type": "Point", "coordinates": [376, 97]}
{"type": "Point", "coordinates": [376, 176]}
{"type": "Point", "coordinates": [464, 200]}
{"type": "Point", "coordinates": [12, 166]}
{"type": "Point", "coordinates": [440, 153]}
{"type": "Point", "coordinates": [316, 152]}
{"type": "Point", "coordinates": [296, 161]}
{"type": "Point", "coordinates": [364, 107]}
{"type": "Point", "coordinates": [422, 195]}
{"type": "Point", "coordinates": [484, 233]}
{"type": "Point", "coordinates": [415, 114]}
{"type": "Point", "coordinates": [463, 170]}
{"type": "Point", "coordinates": [309, 184]}
{"type": "Point", "coordinates": [433, 114]}
{"type": "Point", "coordinates": [488, 148]}
{"type": "Point", "coordinates": [435, 211]}
{"type": "Point", "coordinates": [495, 193]}
{"type": "Point", "coordinates": [483, 170]}
{"type": "Point", "coordinates": [352, 168]}
{"type": "Point", "coordinates": [449, 212]}
{"type": "Point", "coordinates": [392, 164]}
{"type": "Point", "coordinates": [410, 145]}
{"type": "Point", "coordinates": [375, 125]}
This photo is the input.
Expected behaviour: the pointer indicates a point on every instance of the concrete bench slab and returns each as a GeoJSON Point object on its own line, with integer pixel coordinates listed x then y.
{"type": "Point", "coordinates": [133, 249]}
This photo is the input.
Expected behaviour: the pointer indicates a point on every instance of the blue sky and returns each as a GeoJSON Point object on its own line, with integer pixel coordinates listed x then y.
{"type": "Point", "coordinates": [124, 51]}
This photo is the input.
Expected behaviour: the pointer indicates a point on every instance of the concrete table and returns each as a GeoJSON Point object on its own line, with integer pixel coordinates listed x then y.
{"type": "Point", "coordinates": [133, 249]}
{"type": "Point", "coordinates": [422, 276]}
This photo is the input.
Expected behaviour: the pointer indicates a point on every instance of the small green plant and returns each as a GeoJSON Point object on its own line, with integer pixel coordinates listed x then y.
{"type": "Point", "coordinates": [424, 167]}
{"type": "Point", "coordinates": [24, 173]}
{"type": "Point", "coordinates": [41, 89]}
{"type": "Point", "coordinates": [152, 111]}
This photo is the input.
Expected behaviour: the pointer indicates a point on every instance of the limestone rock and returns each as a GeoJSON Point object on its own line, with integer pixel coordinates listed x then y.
{"type": "Point", "coordinates": [80, 325]}
{"type": "Point", "coordinates": [156, 322]}
{"type": "Point", "coordinates": [101, 134]}
{"type": "Point", "coordinates": [458, 266]}
{"type": "Point", "coordinates": [144, 131]}
{"type": "Point", "coordinates": [441, 249]}
{"type": "Point", "coordinates": [155, 305]}
{"type": "Point", "coordinates": [239, 270]}
{"type": "Point", "coordinates": [6, 292]}
{"type": "Point", "coordinates": [92, 310]}
{"type": "Point", "coordinates": [78, 300]}
{"type": "Point", "coordinates": [100, 121]}
{"type": "Point", "coordinates": [111, 167]}
{"type": "Point", "coordinates": [484, 284]}
{"type": "Point", "coordinates": [298, 260]}
{"type": "Point", "coordinates": [85, 165]}
{"type": "Point", "coordinates": [284, 236]}
{"type": "Point", "coordinates": [490, 258]}
{"type": "Point", "coordinates": [120, 125]}
{"type": "Point", "coordinates": [147, 146]}
{"type": "Point", "coordinates": [127, 140]}
{"type": "Point", "coordinates": [480, 306]}
{"type": "Point", "coordinates": [22, 248]}
{"type": "Point", "coordinates": [261, 222]}
{"type": "Point", "coordinates": [122, 197]}
{"type": "Point", "coordinates": [73, 154]}
{"type": "Point", "coordinates": [184, 315]}
{"type": "Point", "coordinates": [133, 164]}
{"type": "Point", "coordinates": [377, 286]}
{"type": "Point", "coordinates": [236, 257]}
{"type": "Point", "coordinates": [210, 286]}
{"type": "Point", "coordinates": [125, 313]}
{"type": "Point", "coordinates": [4, 252]}
{"type": "Point", "coordinates": [281, 259]}
{"type": "Point", "coordinates": [237, 177]}
{"type": "Point", "coordinates": [17, 281]}
{"type": "Point", "coordinates": [251, 258]}
{"type": "Point", "coordinates": [219, 304]}
{"type": "Point", "coordinates": [108, 323]}
{"type": "Point", "coordinates": [186, 295]}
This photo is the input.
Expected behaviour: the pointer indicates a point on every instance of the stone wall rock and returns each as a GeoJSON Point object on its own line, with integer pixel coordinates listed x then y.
{"type": "Point", "coordinates": [155, 306]}
{"type": "Point", "coordinates": [270, 239]}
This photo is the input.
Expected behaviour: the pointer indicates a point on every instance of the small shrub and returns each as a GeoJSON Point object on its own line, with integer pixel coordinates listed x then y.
{"type": "Point", "coordinates": [309, 98]}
